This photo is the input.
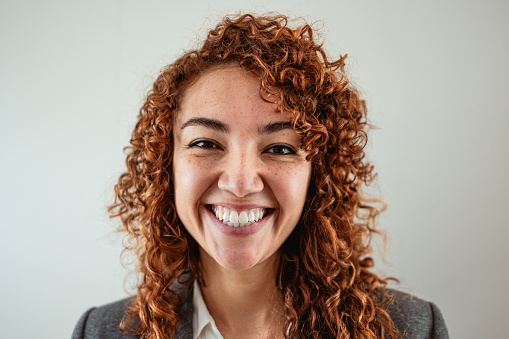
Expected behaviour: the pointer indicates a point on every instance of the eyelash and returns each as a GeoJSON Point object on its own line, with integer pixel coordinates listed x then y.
{"type": "Point", "coordinates": [208, 144]}
{"type": "Point", "coordinates": [288, 150]}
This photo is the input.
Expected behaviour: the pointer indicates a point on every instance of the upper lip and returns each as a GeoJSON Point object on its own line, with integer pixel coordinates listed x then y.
{"type": "Point", "coordinates": [238, 207]}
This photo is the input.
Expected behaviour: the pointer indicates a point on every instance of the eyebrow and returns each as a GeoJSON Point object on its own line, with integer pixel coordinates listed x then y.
{"type": "Point", "coordinates": [274, 127]}
{"type": "Point", "coordinates": [216, 125]}
{"type": "Point", "coordinates": [209, 123]}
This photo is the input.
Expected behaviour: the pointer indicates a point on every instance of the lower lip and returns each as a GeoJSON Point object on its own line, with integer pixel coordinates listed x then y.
{"type": "Point", "coordinates": [241, 230]}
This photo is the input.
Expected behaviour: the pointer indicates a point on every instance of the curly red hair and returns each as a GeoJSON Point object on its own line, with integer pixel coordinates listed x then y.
{"type": "Point", "coordinates": [324, 273]}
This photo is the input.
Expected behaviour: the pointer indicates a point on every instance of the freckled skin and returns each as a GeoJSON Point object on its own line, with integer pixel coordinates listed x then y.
{"type": "Point", "coordinates": [240, 167]}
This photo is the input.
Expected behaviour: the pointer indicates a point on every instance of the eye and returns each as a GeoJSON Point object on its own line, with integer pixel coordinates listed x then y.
{"type": "Point", "coordinates": [280, 150]}
{"type": "Point", "coordinates": [204, 144]}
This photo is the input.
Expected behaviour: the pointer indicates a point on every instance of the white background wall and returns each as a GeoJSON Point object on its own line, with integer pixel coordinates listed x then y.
{"type": "Point", "coordinates": [73, 75]}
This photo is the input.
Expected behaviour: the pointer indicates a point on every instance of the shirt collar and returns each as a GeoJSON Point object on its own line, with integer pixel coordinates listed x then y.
{"type": "Point", "coordinates": [201, 316]}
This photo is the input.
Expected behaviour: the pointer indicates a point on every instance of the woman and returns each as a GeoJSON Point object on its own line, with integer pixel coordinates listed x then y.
{"type": "Point", "coordinates": [242, 200]}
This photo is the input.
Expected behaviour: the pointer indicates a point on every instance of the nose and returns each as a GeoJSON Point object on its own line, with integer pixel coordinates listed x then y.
{"type": "Point", "coordinates": [241, 174]}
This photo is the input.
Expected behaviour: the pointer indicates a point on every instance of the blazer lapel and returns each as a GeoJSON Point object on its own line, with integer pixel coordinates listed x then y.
{"type": "Point", "coordinates": [185, 311]}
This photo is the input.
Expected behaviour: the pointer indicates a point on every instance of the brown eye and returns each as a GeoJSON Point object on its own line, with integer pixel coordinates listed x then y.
{"type": "Point", "coordinates": [281, 150]}
{"type": "Point", "coordinates": [205, 144]}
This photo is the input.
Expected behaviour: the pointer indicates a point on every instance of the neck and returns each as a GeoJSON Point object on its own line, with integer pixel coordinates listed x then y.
{"type": "Point", "coordinates": [243, 301]}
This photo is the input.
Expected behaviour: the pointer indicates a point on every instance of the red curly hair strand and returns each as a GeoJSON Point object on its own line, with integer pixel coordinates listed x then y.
{"type": "Point", "coordinates": [324, 268]}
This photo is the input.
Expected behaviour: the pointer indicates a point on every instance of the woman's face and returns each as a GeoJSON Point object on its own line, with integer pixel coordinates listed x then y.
{"type": "Point", "coordinates": [240, 175]}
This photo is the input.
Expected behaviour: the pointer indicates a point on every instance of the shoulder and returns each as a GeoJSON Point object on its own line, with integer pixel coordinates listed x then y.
{"type": "Point", "coordinates": [414, 317]}
{"type": "Point", "coordinates": [103, 322]}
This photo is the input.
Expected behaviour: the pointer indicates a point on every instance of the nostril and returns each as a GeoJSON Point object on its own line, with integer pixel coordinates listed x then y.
{"type": "Point", "coordinates": [240, 181]}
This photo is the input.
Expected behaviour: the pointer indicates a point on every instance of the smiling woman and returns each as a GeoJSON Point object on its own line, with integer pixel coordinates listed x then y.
{"type": "Point", "coordinates": [242, 199]}
{"type": "Point", "coordinates": [229, 164]}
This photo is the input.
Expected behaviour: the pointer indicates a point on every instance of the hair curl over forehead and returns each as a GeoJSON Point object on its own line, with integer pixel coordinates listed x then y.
{"type": "Point", "coordinates": [324, 273]}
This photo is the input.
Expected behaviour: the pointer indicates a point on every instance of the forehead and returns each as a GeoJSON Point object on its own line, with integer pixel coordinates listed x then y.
{"type": "Point", "coordinates": [226, 91]}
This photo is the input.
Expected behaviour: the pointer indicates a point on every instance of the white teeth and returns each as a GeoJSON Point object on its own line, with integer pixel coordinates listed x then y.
{"type": "Point", "coordinates": [234, 217]}
{"type": "Point", "coordinates": [238, 219]}
{"type": "Point", "coordinates": [243, 217]}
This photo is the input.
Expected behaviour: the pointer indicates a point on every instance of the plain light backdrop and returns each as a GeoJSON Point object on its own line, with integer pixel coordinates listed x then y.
{"type": "Point", "coordinates": [73, 75]}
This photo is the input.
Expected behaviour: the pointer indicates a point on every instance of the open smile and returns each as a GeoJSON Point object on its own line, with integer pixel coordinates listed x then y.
{"type": "Point", "coordinates": [238, 218]}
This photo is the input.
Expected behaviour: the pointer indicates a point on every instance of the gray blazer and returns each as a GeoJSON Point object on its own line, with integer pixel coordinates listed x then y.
{"type": "Point", "coordinates": [413, 317]}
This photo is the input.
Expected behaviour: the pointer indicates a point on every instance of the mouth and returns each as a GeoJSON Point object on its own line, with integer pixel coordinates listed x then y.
{"type": "Point", "coordinates": [239, 218]}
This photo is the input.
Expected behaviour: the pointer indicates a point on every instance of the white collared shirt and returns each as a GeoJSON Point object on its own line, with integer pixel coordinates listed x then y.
{"type": "Point", "coordinates": [204, 326]}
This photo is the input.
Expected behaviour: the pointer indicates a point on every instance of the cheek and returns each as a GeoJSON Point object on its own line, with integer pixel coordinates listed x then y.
{"type": "Point", "coordinates": [191, 178]}
{"type": "Point", "coordinates": [293, 185]}
{"type": "Point", "coordinates": [183, 174]}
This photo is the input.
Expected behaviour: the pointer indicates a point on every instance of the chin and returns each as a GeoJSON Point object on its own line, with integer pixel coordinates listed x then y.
{"type": "Point", "coordinates": [237, 261]}
{"type": "Point", "coordinates": [237, 266]}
